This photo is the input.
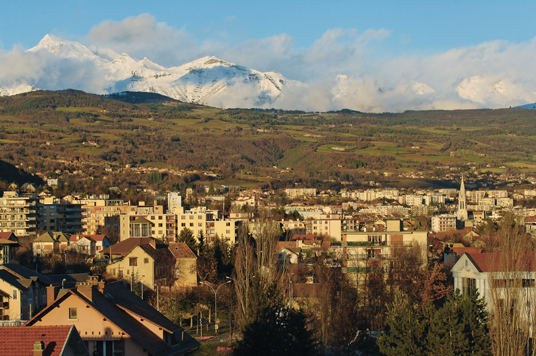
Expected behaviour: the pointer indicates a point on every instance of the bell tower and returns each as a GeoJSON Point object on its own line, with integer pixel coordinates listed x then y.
{"type": "Point", "coordinates": [462, 204]}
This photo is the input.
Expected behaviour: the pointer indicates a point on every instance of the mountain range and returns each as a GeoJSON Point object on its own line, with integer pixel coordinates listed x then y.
{"type": "Point", "coordinates": [216, 82]}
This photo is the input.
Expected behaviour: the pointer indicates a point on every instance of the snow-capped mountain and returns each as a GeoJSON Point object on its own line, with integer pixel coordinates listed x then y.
{"type": "Point", "coordinates": [202, 81]}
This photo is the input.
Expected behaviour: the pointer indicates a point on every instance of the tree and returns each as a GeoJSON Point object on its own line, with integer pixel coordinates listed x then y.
{"type": "Point", "coordinates": [405, 330]}
{"type": "Point", "coordinates": [187, 236]}
{"type": "Point", "coordinates": [460, 327]}
{"type": "Point", "coordinates": [276, 330]}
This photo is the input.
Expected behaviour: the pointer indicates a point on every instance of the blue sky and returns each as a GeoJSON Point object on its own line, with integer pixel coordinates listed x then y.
{"type": "Point", "coordinates": [415, 26]}
{"type": "Point", "coordinates": [365, 55]}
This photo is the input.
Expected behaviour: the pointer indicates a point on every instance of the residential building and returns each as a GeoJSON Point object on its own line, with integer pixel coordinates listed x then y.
{"type": "Point", "coordinates": [58, 215]}
{"type": "Point", "coordinates": [293, 193]}
{"type": "Point", "coordinates": [111, 320]}
{"type": "Point", "coordinates": [161, 226]}
{"type": "Point", "coordinates": [185, 264]}
{"type": "Point", "coordinates": [491, 274]}
{"type": "Point", "coordinates": [174, 201]}
{"type": "Point", "coordinates": [101, 212]}
{"type": "Point", "coordinates": [376, 249]}
{"type": "Point", "coordinates": [52, 340]}
{"type": "Point", "coordinates": [227, 230]}
{"type": "Point", "coordinates": [326, 224]}
{"type": "Point", "coordinates": [50, 242]}
{"type": "Point", "coordinates": [443, 222]}
{"type": "Point", "coordinates": [22, 292]}
{"type": "Point", "coordinates": [8, 241]}
{"type": "Point", "coordinates": [18, 214]}
{"type": "Point", "coordinates": [146, 262]}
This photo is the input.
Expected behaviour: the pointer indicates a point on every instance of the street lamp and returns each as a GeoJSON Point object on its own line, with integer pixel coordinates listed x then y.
{"type": "Point", "coordinates": [215, 302]}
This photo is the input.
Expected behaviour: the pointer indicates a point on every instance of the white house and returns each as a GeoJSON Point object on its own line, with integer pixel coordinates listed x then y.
{"type": "Point", "coordinates": [496, 274]}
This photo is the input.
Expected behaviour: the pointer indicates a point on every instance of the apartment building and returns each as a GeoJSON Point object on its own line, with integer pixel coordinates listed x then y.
{"type": "Point", "coordinates": [19, 213]}
{"type": "Point", "coordinates": [374, 250]}
{"type": "Point", "coordinates": [58, 215]}
{"type": "Point", "coordinates": [101, 212]}
{"type": "Point", "coordinates": [443, 222]}
{"type": "Point", "coordinates": [325, 224]}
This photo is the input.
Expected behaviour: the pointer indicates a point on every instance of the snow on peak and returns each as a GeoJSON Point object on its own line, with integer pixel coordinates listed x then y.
{"type": "Point", "coordinates": [421, 88]}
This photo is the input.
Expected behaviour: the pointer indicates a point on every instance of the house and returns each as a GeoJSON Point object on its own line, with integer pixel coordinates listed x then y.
{"type": "Point", "coordinates": [82, 244]}
{"type": "Point", "coordinates": [493, 273]}
{"type": "Point", "coordinates": [24, 292]}
{"type": "Point", "coordinates": [101, 242]}
{"type": "Point", "coordinates": [57, 340]}
{"type": "Point", "coordinates": [185, 264]}
{"type": "Point", "coordinates": [147, 263]}
{"type": "Point", "coordinates": [111, 320]}
{"type": "Point", "coordinates": [8, 241]}
{"type": "Point", "coordinates": [50, 242]}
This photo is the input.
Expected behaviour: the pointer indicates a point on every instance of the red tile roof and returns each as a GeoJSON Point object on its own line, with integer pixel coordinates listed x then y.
{"type": "Point", "coordinates": [124, 247]}
{"type": "Point", "coordinates": [19, 340]}
{"type": "Point", "coordinates": [181, 250]}
{"type": "Point", "coordinates": [461, 250]}
{"type": "Point", "coordinates": [523, 261]}
{"type": "Point", "coordinates": [5, 235]}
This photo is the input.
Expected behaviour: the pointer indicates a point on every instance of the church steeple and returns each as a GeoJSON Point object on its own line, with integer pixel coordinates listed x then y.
{"type": "Point", "coordinates": [462, 203]}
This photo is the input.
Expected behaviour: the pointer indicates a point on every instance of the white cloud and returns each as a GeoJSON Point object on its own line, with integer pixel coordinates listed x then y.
{"type": "Point", "coordinates": [504, 72]}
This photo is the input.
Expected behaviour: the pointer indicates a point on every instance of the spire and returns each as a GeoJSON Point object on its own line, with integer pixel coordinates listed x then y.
{"type": "Point", "coordinates": [462, 203]}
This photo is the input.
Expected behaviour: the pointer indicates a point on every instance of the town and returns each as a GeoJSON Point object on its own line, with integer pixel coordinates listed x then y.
{"type": "Point", "coordinates": [143, 277]}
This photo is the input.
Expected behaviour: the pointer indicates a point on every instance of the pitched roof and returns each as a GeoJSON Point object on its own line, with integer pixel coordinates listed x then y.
{"type": "Point", "coordinates": [97, 237]}
{"type": "Point", "coordinates": [124, 247]}
{"type": "Point", "coordinates": [113, 307]}
{"type": "Point", "coordinates": [6, 235]}
{"type": "Point", "coordinates": [162, 255]}
{"type": "Point", "coordinates": [21, 277]}
{"type": "Point", "coordinates": [19, 340]}
{"type": "Point", "coordinates": [523, 261]}
{"type": "Point", "coordinates": [181, 250]}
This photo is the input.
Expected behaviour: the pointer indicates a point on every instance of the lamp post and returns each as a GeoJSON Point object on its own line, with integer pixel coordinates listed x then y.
{"type": "Point", "coordinates": [215, 302]}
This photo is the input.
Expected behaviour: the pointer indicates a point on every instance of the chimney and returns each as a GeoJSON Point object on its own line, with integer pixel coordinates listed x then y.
{"type": "Point", "coordinates": [101, 287]}
{"type": "Point", "coordinates": [51, 295]}
{"type": "Point", "coordinates": [38, 348]}
{"type": "Point", "coordinates": [153, 243]}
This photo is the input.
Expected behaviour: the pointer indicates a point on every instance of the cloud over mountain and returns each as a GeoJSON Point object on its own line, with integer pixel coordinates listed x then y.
{"type": "Point", "coordinates": [342, 69]}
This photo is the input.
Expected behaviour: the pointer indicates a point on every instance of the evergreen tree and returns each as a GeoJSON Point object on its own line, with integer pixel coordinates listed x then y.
{"type": "Point", "coordinates": [405, 331]}
{"type": "Point", "coordinates": [275, 329]}
{"type": "Point", "coordinates": [460, 327]}
{"type": "Point", "coordinates": [187, 236]}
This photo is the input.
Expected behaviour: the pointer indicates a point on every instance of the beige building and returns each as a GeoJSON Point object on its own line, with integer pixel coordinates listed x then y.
{"type": "Point", "coordinates": [22, 292]}
{"type": "Point", "coordinates": [113, 321]}
{"type": "Point", "coordinates": [18, 214]}
{"type": "Point", "coordinates": [162, 226]}
{"type": "Point", "coordinates": [326, 224]}
{"type": "Point", "coordinates": [185, 264]}
{"type": "Point", "coordinates": [375, 249]}
{"type": "Point", "coordinates": [150, 264]}
{"type": "Point", "coordinates": [101, 212]}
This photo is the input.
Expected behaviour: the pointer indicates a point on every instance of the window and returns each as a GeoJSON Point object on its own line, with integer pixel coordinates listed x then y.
{"type": "Point", "coordinates": [152, 217]}
{"type": "Point", "coordinates": [191, 224]}
{"type": "Point", "coordinates": [15, 293]}
{"type": "Point", "coordinates": [146, 260]}
{"type": "Point", "coordinates": [183, 217]}
{"type": "Point", "coordinates": [72, 313]}
{"type": "Point", "coordinates": [199, 224]}
{"type": "Point", "coordinates": [468, 285]}
{"type": "Point", "coordinates": [133, 261]}
{"type": "Point", "coordinates": [160, 225]}
{"type": "Point", "coordinates": [191, 217]}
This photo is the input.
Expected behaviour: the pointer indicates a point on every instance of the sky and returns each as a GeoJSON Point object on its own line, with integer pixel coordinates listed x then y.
{"type": "Point", "coordinates": [349, 50]}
